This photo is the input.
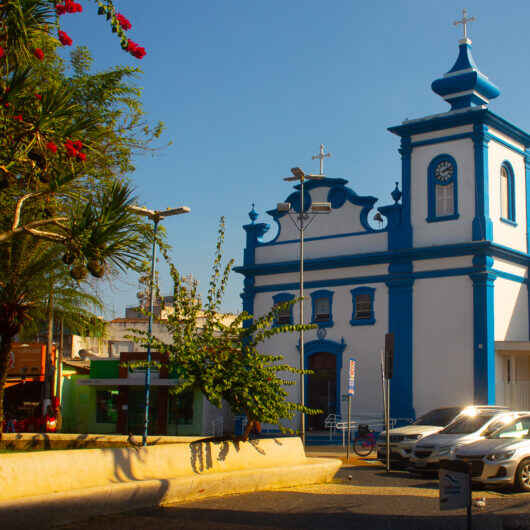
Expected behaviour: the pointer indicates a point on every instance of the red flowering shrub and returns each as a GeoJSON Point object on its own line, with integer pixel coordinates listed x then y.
{"type": "Point", "coordinates": [39, 97]}
{"type": "Point", "coordinates": [38, 53]}
{"type": "Point", "coordinates": [64, 38]}
{"type": "Point", "coordinates": [51, 147]}
{"type": "Point", "coordinates": [60, 9]}
{"type": "Point", "coordinates": [18, 117]}
{"type": "Point", "coordinates": [124, 22]}
{"type": "Point", "coordinates": [2, 52]}
{"type": "Point", "coordinates": [73, 149]}
{"type": "Point", "coordinates": [135, 50]}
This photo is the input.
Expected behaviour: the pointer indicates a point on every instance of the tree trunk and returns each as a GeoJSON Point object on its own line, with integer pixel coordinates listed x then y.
{"type": "Point", "coordinates": [248, 429]}
{"type": "Point", "coordinates": [5, 348]}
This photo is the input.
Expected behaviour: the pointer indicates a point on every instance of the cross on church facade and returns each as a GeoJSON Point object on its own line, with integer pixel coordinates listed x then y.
{"type": "Point", "coordinates": [321, 157]}
{"type": "Point", "coordinates": [464, 22]}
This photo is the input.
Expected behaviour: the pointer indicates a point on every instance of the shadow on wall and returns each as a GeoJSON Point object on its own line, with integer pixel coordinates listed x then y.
{"type": "Point", "coordinates": [517, 328]}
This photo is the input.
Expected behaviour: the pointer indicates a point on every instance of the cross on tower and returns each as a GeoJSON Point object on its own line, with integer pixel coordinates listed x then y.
{"type": "Point", "coordinates": [321, 157]}
{"type": "Point", "coordinates": [464, 22]}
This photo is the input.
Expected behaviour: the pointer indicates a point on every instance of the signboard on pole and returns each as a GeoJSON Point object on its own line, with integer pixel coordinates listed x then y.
{"type": "Point", "coordinates": [455, 489]}
{"type": "Point", "coordinates": [352, 370]}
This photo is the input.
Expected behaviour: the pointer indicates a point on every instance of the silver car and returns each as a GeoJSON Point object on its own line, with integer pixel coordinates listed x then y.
{"type": "Point", "coordinates": [473, 424]}
{"type": "Point", "coordinates": [503, 457]}
{"type": "Point", "coordinates": [403, 439]}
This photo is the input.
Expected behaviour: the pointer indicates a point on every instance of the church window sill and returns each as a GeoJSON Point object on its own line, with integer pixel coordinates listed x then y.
{"type": "Point", "coordinates": [508, 221]}
{"type": "Point", "coordinates": [444, 218]}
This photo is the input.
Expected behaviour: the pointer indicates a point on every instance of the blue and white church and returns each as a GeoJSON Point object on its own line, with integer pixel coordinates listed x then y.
{"type": "Point", "coordinates": [447, 272]}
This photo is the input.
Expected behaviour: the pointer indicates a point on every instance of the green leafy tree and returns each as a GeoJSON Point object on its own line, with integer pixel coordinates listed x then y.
{"type": "Point", "coordinates": [66, 144]}
{"type": "Point", "coordinates": [220, 357]}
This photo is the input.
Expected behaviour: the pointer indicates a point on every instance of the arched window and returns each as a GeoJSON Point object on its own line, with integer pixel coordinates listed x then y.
{"type": "Point", "coordinates": [363, 306]}
{"type": "Point", "coordinates": [507, 193]}
{"type": "Point", "coordinates": [285, 316]}
{"type": "Point", "coordinates": [442, 188]}
{"type": "Point", "coordinates": [322, 313]}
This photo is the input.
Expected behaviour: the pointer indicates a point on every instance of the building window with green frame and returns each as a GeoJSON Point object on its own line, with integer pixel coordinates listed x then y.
{"type": "Point", "coordinates": [363, 306]}
{"type": "Point", "coordinates": [107, 406]}
{"type": "Point", "coordinates": [180, 409]}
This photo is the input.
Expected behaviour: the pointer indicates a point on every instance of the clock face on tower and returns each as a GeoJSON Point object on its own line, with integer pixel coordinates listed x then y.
{"type": "Point", "coordinates": [444, 171]}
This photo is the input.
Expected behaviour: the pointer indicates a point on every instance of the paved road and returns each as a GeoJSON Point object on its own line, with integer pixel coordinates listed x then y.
{"type": "Point", "coordinates": [370, 500]}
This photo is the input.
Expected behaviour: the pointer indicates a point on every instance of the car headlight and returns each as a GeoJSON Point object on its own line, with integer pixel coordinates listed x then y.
{"type": "Point", "coordinates": [444, 451]}
{"type": "Point", "coordinates": [502, 455]}
{"type": "Point", "coordinates": [413, 436]}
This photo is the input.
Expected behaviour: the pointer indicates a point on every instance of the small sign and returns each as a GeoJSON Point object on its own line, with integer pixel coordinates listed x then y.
{"type": "Point", "coordinates": [352, 369]}
{"type": "Point", "coordinates": [454, 489]}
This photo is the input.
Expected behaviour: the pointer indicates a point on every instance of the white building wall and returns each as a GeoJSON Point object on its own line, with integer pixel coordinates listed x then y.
{"type": "Point", "coordinates": [503, 233]}
{"type": "Point", "coordinates": [363, 343]}
{"type": "Point", "coordinates": [443, 342]}
{"type": "Point", "coordinates": [442, 263]}
{"type": "Point", "coordinates": [444, 232]}
{"type": "Point", "coordinates": [511, 310]}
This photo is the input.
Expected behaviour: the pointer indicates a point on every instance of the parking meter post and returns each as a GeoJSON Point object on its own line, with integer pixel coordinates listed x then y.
{"type": "Point", "coordinates": [349, 421]}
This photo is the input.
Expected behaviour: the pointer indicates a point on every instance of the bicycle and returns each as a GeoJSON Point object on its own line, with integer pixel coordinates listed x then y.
{"type": "Point", "coordinates": [364, 442]}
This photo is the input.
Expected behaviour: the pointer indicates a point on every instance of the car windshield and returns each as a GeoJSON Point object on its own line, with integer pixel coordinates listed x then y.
{"type": "Point", "coordinates": [520, 428]}
{"type": "Point", "coordinates": [438, 417]}
{"type": "Point", "coordinates": [467, 424]}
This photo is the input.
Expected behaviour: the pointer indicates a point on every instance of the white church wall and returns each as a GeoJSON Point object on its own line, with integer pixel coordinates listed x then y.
{"type": "Point", "coordinates": [322, 275]}
{"type": "Point", "coordinates": [443, 232]}
{"type": "Point", "coordinates": [443, 342]}
{"type": "Point", "coordinates": [505, 138]}
{"type": "Point", "coordinates": [318, 248]}
{"type": "Point", "coordinates": [504, 233]}
{"type": "Point", "coordinates": [511, 310]}
{"type": "Point", "coordinates": [440, 134]}
{"type": "Point", "coordinates": [363, 343]}
{"type": "Point", "coordinates": [509, 267]}
{"type": "Point", "coordinates": [442, 263]}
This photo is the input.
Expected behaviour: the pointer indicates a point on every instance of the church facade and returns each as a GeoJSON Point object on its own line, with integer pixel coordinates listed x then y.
{"type": "Point", "coordinates": [446, 273]}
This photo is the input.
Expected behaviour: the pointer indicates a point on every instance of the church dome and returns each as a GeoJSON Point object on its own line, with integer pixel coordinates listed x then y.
{"type": "Point", "coordinates": [464, 85]}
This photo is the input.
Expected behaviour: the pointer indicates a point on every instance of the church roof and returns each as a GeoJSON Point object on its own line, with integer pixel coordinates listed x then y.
{"type": "Point", "coordinates": [465, 85]}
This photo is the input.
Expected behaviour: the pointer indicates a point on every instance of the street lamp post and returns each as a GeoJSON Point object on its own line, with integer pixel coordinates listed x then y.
{"type": "Point", "coordinates": [316, 208]}
{"type": "Point", "coordinates": [156, 216]}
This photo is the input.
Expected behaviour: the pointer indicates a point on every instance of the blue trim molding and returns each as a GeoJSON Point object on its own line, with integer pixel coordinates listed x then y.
{"type": "Point", "coordinates": [400, 292]}
{"type": "Point", "coordinates": [482, 227]}
{"type": "Point", "coordinates": [483, 334]}
{"type": "Point", "coordinates": [433, 182]}
{"type": "Point", "coordinates": [405, 236]}
{"type": "Point", "coordinates": [325, 346]}
{"type": "Point", "coordinates": [317, 295]}
{"type": "Point", "coordinates": [279, 299]}
{"type": "Point", "coordinates": [366, 321]}
{"type": "Point", "coordinates": [511, 194]}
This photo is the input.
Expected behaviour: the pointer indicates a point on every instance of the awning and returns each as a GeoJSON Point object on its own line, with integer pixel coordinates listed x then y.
{"type": "Point", "coordinates": [512, 347]}
{"type": "Point", "coordinates": [125, 381]}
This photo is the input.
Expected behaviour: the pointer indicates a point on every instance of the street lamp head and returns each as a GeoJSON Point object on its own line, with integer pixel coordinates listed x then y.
{"type": "Point", "coordinates": [158, 214]}
{"type": "Point", "coordinates": [283, 206]}
{"type": "Point", "coordinates": [174, 211]}
{"type": "Point", "coordinates": [141, 211]}
{"type": "Point", "coordinates": [321, 207]}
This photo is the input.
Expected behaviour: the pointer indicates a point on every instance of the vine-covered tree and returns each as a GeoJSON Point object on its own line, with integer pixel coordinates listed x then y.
{"type": "Point", "coordinates": [221, 358]}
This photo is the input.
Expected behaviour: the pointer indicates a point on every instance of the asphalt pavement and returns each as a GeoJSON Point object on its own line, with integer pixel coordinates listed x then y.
{"type": "Point", "coordinates": [362, 496]}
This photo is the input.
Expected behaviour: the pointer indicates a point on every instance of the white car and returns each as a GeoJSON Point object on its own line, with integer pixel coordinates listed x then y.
{"type": "Point", "coordinates": [471, 425]}
{"type": "Point", "coordinates": [403, 439]}
{"type": "Point", "coordinates": [503, 457]}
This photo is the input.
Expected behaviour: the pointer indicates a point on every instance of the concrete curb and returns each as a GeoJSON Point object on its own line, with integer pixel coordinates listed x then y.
{"type": "Point", "coordinates": [49, 510]}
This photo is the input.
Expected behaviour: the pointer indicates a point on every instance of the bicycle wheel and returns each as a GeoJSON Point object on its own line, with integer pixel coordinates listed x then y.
{"type": "Point", "coordinates": [363, 446]}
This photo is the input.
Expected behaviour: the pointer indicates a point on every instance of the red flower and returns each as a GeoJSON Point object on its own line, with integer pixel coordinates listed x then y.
{"type": "Point", "coordinates": [39, 97]}
{"type": "Point", "coordinates": [51, 147]}
{"type": "Point", "coordinates": [70, 149]}
{"type": "Point", "coordinates": [60, 9]}
{"type": "Point", "coordinates": [124, 22]}
{"type": "Point", "coordinates": [78, 145]}
{"type": "Point", "coordinates": [7, 105]}
{"type": "Point", "coordinates": [81, 156]}
{"type": "Point", "coordinates": [65, 39]}
{"type": "Point", "coordinates": [139, 53]}
{"type": "Point", "coordinates": [38, 53]}
{"type": "Point", "coordinates": [72, 7]}
{"type": "Point", "coordinates": [2, 52]}
{"type": "Point", "coordinates": [18, 117]}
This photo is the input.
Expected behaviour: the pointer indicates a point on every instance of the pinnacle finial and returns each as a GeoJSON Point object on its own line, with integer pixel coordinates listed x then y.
{"type": "Point", "coordinates": [396, 193]}
{"type": "Point", "coordinates": [253, 214]}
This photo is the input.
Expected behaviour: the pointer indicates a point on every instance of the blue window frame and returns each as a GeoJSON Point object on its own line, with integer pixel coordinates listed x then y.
{"type": "Point", "coordinates": [284, 317]}
{"type": "Point", "coordinates": [322, 313]}
{"type": "Point", "coordinates": [442, 189]}
{"type": "Point", "coordinates": [363, 306]}
{"type": "Point", "coordinates": [507, 201]}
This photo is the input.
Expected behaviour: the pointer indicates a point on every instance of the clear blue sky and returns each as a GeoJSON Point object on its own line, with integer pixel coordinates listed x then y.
{"type": "Point", "coordinates": [248, 89]}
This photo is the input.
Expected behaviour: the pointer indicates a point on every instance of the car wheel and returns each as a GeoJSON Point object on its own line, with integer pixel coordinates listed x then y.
{"type": "Point", "coordinates": [522, 477]}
